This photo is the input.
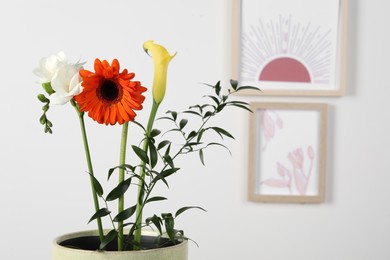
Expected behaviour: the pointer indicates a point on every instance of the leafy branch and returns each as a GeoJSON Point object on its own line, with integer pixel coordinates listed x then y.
{"type": "Point", "coordinates": [157, 164]}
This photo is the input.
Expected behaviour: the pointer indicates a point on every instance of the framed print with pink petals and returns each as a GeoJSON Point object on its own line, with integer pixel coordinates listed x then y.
{"type": "Point", "coordinates": [287, 152]}
{"type": "Point", "coordinates": [290, 47]}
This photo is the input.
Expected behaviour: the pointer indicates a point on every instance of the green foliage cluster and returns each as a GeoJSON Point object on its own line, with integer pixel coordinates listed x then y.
{"type": "Point", "coordinates": [158, 165]}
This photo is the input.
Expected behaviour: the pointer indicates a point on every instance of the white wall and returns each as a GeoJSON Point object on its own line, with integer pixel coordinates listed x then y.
{"type": "Point", "coordinates": [44, 191]}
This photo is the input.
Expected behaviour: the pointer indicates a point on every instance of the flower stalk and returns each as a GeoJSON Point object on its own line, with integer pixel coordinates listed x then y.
{"type": "Point", "coordinates": [121, 200]}
{"type": "Point", "coordinates": [90, 168]}
{"type": "Point", "coordinates": [139, 208]}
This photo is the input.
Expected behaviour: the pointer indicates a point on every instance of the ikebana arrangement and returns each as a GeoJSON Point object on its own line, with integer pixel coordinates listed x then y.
{"type": "Point", "coordinates": [110, 96]}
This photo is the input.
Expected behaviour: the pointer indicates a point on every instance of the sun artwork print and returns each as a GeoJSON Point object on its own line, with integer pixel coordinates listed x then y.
{"type": "Point", "coordinates": [286, 48]}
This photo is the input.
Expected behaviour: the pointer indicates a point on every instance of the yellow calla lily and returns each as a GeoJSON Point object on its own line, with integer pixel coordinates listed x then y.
{"type": "Point", "coordinates": [161, 59]}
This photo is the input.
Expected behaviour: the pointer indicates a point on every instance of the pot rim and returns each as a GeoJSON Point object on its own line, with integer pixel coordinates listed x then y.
{"type": "Point", "coordinates": [64, 237]}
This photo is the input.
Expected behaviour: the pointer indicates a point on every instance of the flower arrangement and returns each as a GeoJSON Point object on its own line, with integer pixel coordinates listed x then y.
{"type": "Point", "coordinates": [110, 96]}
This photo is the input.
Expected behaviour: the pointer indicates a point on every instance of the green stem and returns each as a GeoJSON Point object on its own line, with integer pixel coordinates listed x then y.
{"type": "Point", "coordinates": [90, 168]}
{"type": "Point", "coordinates": [139, 208]}
{"type": "Point", "coordinates": [121, 200]}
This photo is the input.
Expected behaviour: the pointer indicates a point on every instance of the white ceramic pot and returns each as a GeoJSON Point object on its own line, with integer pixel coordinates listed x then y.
{"type": "Point", "coordinates": [176, 252]}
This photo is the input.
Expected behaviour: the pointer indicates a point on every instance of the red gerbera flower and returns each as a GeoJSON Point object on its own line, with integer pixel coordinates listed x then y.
{"type": "Point", "coordinates": [109, 96]}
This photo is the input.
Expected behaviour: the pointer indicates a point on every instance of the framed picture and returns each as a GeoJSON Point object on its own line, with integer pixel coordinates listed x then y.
{"type": "Point", "coordinates": [290, 47]}
{"type": "Point", "coordinates": [287, 152]}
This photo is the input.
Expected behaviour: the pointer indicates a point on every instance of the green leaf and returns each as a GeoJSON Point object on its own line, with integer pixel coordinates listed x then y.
{"type": "Point", "coordinates": [96, 184]}
{"type": "Point", "coordinates": [168, 160]}
{"type": "Point", "coordinates": [157, 221]}
{"type": "Point", "coordinates": [99, 214]}
{"type": "Point", "coordinates": [201, 156]}
{"type": "Point", "coordinates": [165, 117]}
{"type": "Point", "coordinates": [141, 154]}
{"type": "Point", "coordinates": [157, 198]}
{"type": "Point", "coordinates": [220, 107]}
{"type": "Point", "coordinates": [200, 135]}
{"type": "Point", "coordinates": [173, 114]}
{"type": "Point", "coordinates": [192, 112]}
{"type": "Point", "coordinates": [197, 107]}
{"type": "Point", "coordinates": [216, 100]}
{"type": "Point", "coordinates": [113, 234]}
{"type": "Point", "coordinates": [140, 125]}
{"type": "Point", "coordinates": [163, 144]}
{"type": "Point", "coordinates": [234, 83]}
{"type": "Point", "coordinates": [119, 190]}
{"type": "Point", "coordinates": [217, 88]}
{"type": "Point", "coordinates": [153, 155]}
{"type": "Point", "coordinates": [123, 166]}
{"type": "Point", "coordinates": [154, 133]}
{"type": "Point", "coordinates": [183, 123]}
{"type": "Point", "coordinates": [164, 174]}
{"type": "Point", "coordinates": [169, 226]}
{"type": "Point", "coordinates": [183, 209]}
{"type": "Point", "coordinates": [243, 107]}
{"type": "Point", "coordinates": [221, 131]}
{"type": "Point", "coordinates": [248, 87]}
{"type": "Point", "coordinates": [191, 135]}
{"type": "Point", "coordinates": [125, 214]}
{"type": "Point", "coordinates": [237, 102]}
{"type": "Point", "coordinates": [208, 114]}
{"type": "Point", "coordinates": [218, 144]}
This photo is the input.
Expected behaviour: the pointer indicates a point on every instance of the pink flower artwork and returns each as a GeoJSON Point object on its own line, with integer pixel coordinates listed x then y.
{"type": "Point", "coordinates": [270, 121]}
{"type": "Point", "coordinates": [295, 177]}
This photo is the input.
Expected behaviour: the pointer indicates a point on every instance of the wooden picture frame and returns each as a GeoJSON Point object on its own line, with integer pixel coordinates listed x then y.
{"type": "Point", "coordinates": [287, 152]}
{"type": "Point", "coordinates": [290, 47]}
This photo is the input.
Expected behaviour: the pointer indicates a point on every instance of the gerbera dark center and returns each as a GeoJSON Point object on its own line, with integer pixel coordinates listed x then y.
{"type": "Point", "coordinates": [109, 90]}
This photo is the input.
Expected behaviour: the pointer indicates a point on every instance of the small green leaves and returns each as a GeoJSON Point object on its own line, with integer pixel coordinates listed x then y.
{"type": "Point", "coordinates": [217, 88]}
{"type": "Point", "coordinates": [163, 144]}
{"type": "Point", "coordinates": [173, 114]}
{"type": "Point", "coordinates": [126, 167]}
{"type": "Point", "coordinates": [221, 132]}
{"type": "Point", "coordinates": [201, 156]}
{"type": "Point", "coordinates": [140, 153]}
{"type": "Point", "coordinates": [119, 190]}
{"type": "Point", "coordinates": [183, 123]}
{"type": "Point", "coordinates": [152, 154]}
{"type": "Point", "coordinates": [157, 221]}
{"type": "Point", "coordinates": [157, 198]}
{"type": "Point", "coordinates": [97, 186]}
{"type": "Point", "coordinates": [187, 208]}
{"type": "Point", "coordinates": [113, 234]}
{"type": "Point", "coordinates": [154, 133]}
{"type": "Point", "coordinates": [169, 223]}
{"type": "Point", "coordinates": [125, 214]}
{"type": "Point", "coordinates": [234, 84]}
{"type": "Point", "coordinates": [99, 214]}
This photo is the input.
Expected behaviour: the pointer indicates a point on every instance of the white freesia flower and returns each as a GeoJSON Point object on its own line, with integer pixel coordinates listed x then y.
{"type": "Point", "coordinates": [66, 83]}
{"type": "Point", "coordinates": [49, 66]}
{"type": "Point", "coordinates": [63, 77]}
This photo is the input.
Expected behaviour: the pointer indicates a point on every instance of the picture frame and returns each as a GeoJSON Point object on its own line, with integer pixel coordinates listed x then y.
{"type": "Point", "coordinates": [287, 152]}
{"type": "Point", "coordinates": [290, 47]}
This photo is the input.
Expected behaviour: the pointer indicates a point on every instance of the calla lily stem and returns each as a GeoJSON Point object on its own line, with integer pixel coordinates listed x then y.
{"type": "Point", "coordinates": [137, 234]}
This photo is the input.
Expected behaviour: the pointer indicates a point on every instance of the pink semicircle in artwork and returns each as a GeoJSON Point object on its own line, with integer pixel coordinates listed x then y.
{"type": "Point", "coordinates": [285, 69]}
